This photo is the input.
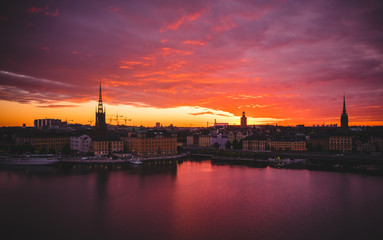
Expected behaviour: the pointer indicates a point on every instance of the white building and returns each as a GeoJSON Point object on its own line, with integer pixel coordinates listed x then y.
{"type": "Point", "coordinates": [81, 143]}
{"type": "Point", "coordinates": [220, 140]}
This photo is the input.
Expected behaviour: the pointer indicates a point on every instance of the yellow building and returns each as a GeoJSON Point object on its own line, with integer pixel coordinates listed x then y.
{"type": "Point", "coordinates": [116, 146]}
{"type": "Point", "coordinates": [100, 148]}
{"type": "Point", "coordinates": [204, 141]}
{"type": "Point", "coordinates": [288, 145]}
{"type": "Point", "coordinates": [151, 144]}
{"type": "Point", "coordinates": [341, 143]}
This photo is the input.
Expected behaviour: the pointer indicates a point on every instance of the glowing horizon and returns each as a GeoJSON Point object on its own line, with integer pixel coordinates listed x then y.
{"type": "Point", "coordinates": [282, 62]}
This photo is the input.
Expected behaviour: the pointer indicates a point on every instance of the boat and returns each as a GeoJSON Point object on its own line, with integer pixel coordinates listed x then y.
{"type": "Point", "coordinates": [135, 161]}
{"type": "Point", "coordinates": [30, 159]}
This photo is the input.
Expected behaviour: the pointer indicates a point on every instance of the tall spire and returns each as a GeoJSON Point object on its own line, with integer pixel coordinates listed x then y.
{"type": "Point", "coordinates": [100, 97]}
{"type": "Point", "coordinates": [100, 106]}
{"type": "Point", "coordinates": [344, 116]}
{"type": "Point", "coordinates": [344, 103]}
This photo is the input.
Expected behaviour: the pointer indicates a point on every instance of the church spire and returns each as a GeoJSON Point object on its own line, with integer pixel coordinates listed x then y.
{"type": "Point", "coordinates": [344, 116]}
{"type": "Point", "coordinates": [344, 103]}
{"type": "Point", "coordinates": [100, 106]}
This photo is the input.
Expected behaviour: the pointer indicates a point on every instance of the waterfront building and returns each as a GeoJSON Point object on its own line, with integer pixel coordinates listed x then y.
{"type": "Point", "coordinates": [49, 143]}
{"type": "Point", "coordinates": [319, 143]}
{"type": "Point", "coordinates": [100, 118]}
{"type": "Point", "coordinates": [288, 145]}
{"type": "Point", "coordinates": [254, 144]}
{"type": "Point", "coordinates": [151, 143]}
{"type": "Point", "coordinates": [344, 116]}
{"type": "Point", "coordinates": [243, 120]}
{"type": "Point", "coordinates": [204, 140]}
{"type": "Point", "coordinates": [81, 144]}
{"type": "Point", "coordinates": [100, 148]}
{"type": "Point", "coordinates": [116, 146]}
{"type": "Point", "coordinates": [341, 143]}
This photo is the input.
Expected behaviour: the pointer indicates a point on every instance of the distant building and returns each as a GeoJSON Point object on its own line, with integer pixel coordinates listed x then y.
{"type": "Point", "coordinates": [204, 141]}
{"type": "Point", "coordinates": [219, 140]}
{"type": "Point", "coordinates": [152, 143]}
{"type": "Point", "coordinates": [100, 118]}
{"type": "Point", "coordinates": [319, 143]}
{"type": "Point", "coordinates": [81, 144]}
{"type": "Point", "coordinates": [103, 148]}
{"type": "Point", "coordinates": [288, 145]}
{"type": "Point", "coordinates": [238, 135]}
{"type": "Point", "coordinates": [192, 140]}
{"type": "Point", "coordinates": [254, 144]}
{"type": "Point", "coordinates": [341, 143]}
{"type": "Point", "coordinates": [116, 146]}
{"type": "Point", "coordinates": [243, 120]}
{"type": "Point", "coordinates": [100, 148]}
{"type": "Point", "coordinates": [44, 144]}
{"type": "Point", "coordinates": [47, 122]}
{"type": "Point", "coordinates": [220, 125]}
{"type": "Point", "coordinates": [344, 116]}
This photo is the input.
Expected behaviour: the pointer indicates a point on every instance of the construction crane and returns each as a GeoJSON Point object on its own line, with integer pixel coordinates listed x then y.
{"type": "Point", "coordinates": [117, 117]}
{"type": "Point", "coordinates": [207, 124]}
{"type": "Point", "coordinates": [66, 120]}
{"type": "Point", "coordinates": [126, 119]}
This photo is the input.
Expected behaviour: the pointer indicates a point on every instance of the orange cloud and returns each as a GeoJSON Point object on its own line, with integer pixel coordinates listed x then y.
{"type": "Point", "coordinates": [186, 18]}
{"type": "Point", "coordinates": [194, 42]}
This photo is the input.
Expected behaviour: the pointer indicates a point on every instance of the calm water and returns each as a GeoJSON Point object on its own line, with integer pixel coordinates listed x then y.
{"type": "Point", "coordinates": [192, 200]}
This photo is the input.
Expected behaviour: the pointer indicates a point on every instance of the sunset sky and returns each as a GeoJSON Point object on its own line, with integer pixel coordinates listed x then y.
{"type": "Point", "coordinates": [188, 63]}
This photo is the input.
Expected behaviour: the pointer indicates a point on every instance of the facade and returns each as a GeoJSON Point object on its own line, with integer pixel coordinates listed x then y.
{"type": "Point", "coordinates": [254, 145]}
{"type": "Point", "coordinates": [236, 136]}
{"type": "Point", "coordinates": [81, 144]}
{"type": "Point", "coordinates": [100, 118]}
{"type": "Point", "coordinates": [151, 144]}
{"type": "Point", "coordinates": [340, 143]}
{"type": "Point", "coordinates": [288, 145]}
{"type": "Point", "coordinates": [243, 120]}
{"type": "Point", "coordinates": [100, 148]}
{"type": "Point", "coordinates": [53, 144]}
{"type": "Point", "coordinates": [204, 141]}
{"type": "Point", "coordinates": [344, 116]}
{"type": "Point", "coordinates": [116, 146]}
{"type": "Point", "coordinates": [192, 140]}
{"type": "Point", "coordinates": [319, 143]}
{"type": "Point", "coordinates": [220, 140]}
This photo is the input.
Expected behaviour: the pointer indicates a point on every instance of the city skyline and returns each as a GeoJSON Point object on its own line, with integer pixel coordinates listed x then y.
{"type": "Point", "coordinates": [187, 64]}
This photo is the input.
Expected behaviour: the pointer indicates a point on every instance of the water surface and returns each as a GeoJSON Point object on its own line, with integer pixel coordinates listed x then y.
{"type": "Point", "coordinates": [191, 200]}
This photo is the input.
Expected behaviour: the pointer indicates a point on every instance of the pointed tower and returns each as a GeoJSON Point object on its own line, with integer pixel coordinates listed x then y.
{"type": "Point", "coordinates": [344, 116]}
{"type": "Point", "coordinates": [243, 120]}
{"type": "Point", "coordinates": [100, 118]}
